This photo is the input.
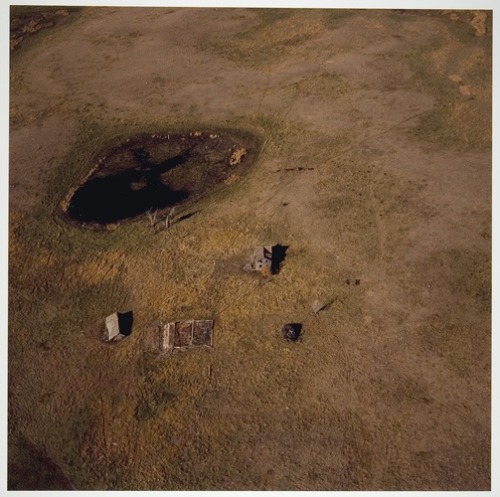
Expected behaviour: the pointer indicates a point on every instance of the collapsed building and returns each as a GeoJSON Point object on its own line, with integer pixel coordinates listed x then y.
{"type": "Point", "coordinates": [165, 337]}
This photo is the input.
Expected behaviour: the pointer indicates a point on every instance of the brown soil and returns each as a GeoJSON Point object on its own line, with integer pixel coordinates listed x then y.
{"type": "Point", "coordinates": [376, 166]}
{"type": "Point", "coordinates": [31, 469]}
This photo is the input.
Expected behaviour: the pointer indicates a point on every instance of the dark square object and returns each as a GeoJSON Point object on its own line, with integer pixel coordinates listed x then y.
{"type": "Point", "coordinates": [278, 254]}
{"type": "Point", "coordinates": [125, 321]}
{"type": "Point", "coordinates": [292, 331]}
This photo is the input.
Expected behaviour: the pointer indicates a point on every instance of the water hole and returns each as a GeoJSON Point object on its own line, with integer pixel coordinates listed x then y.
{"type": "Point", "coordinates": [153, 172]}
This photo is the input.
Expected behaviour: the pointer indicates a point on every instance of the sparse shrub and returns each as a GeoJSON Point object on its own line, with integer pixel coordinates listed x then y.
{"type": "Point", "coordinates": [237, 155]}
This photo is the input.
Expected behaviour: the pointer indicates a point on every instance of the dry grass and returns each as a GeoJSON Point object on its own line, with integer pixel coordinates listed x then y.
{"type": "Point", "coordinates": [276, 34]}
{"type": "Point", "coordinates": [457, 121]}
{"type": "Point", "coordinates": [75, 278]}
{"type": "Point", "coordinates": [376, 393]}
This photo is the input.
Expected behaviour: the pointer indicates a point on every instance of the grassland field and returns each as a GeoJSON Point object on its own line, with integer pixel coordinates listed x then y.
{"type": "Point", "coordinates": [374, 163]}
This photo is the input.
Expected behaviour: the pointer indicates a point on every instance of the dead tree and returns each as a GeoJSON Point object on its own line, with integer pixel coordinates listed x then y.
{"type": "Point", "coordinates": [152, 216]}
{"type": "Point", "coordinates": [169, 219]}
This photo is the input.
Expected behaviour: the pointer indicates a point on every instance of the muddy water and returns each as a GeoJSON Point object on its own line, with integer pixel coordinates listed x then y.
{"type": "Point", "coordinates": [154, 172]}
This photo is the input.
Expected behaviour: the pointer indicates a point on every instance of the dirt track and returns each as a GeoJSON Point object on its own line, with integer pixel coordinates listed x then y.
{"type": "Point", "coordinates": [389, 116]}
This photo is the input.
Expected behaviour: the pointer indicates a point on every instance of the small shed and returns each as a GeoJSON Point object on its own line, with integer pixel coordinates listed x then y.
{"type": "Point", "coordinates": [262, 260]}
{"type": "Point", "coordinates": [267, 260]}
{"type": "Point", "coordinates": [117, 326]}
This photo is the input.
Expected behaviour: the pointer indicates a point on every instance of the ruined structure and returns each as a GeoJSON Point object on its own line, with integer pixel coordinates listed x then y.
{"type": "Point", "coordinates": [261, 261]}
{"type": "Point", "coordinates": [164, 337]}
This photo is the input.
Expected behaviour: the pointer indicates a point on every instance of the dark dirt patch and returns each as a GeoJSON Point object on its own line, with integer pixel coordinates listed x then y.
{"type": "Point", "coordinates": [155, 171]}
{"type": "Point", "coordinates": [30, 468]}
{"type": "Point", "coordinates": [25, 21]}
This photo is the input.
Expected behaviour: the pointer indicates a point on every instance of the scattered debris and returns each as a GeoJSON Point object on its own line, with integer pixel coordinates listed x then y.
{"type": "Point", "coordinates": [288, 169]}
{"type": "Point", "coordinates": [118, 326]}
{"type": "Point", "coordinates": [292, 331]}
{"type": "Point", "coordinates": [319, 306]}
{"type": "Point", "coordinates": [179, 335]}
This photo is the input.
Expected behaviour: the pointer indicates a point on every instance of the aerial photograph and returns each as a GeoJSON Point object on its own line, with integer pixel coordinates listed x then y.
{"type": "Point", "coordinates": [249, 249]}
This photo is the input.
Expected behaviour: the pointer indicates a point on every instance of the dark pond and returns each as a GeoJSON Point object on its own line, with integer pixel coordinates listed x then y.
{"type": "Point", "coordinates": [158, 171]}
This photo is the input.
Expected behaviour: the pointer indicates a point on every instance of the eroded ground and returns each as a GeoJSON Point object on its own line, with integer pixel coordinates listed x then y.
{"type": "Point", "coordinates": [376, 166]}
